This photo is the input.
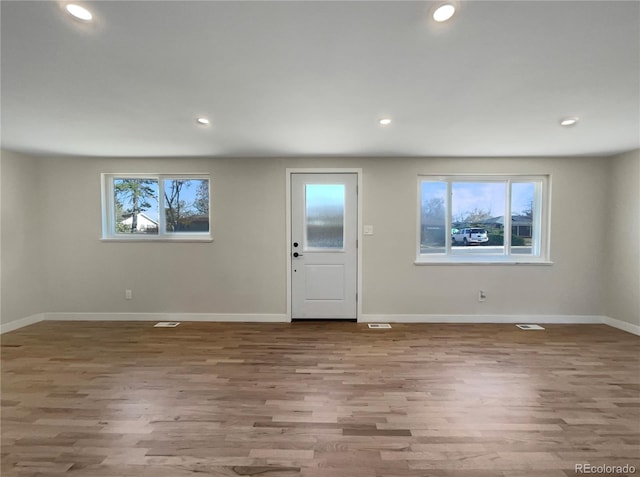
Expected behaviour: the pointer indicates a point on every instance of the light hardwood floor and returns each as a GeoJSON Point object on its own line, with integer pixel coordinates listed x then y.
{"type": "Point", "coordinates": [317, 399]}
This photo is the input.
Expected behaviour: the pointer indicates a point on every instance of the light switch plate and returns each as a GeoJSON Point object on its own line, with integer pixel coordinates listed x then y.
{"type": "Point", "coordinates": [368, 229]}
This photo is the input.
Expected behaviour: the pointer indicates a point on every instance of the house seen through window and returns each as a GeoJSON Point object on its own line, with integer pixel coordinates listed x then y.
{"type": "Point", "coordinates": [156, 206]}
{"type": "Point", "coordinates": [483, 219]}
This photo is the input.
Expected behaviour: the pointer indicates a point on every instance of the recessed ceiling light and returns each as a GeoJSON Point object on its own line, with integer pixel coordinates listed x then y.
{"type": "Point", "coordinates": [567, 122]}
{"type": "Point", "coordinates": [79, 12]}
{"type": "Point", "coordinates": [444, 12]}
{"type": "Point", "coordinates": [203, 121]}
{"type": "Point", "coordinates": [385, 121]}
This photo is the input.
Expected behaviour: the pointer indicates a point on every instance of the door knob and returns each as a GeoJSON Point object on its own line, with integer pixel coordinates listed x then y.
{"type": "Point", "coordinates": [296, 254]}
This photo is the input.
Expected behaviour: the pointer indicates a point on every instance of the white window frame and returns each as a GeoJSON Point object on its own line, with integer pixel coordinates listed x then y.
{"type": "Point", "coordinates": [541, 221]}
{"type": "Point", "coordinates": [108, 210]}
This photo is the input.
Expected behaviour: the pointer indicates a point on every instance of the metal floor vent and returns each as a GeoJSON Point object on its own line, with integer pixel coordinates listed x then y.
{"type": "Point", "coordinates": [166, 324]}
{"type": "Point", "coordinates": [530, 327]}
{"type": "Point", "coordinates": [379, 325]}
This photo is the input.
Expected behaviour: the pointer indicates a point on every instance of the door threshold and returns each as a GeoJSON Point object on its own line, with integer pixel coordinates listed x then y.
{"type": "Point", "coordinates": [324, 320]}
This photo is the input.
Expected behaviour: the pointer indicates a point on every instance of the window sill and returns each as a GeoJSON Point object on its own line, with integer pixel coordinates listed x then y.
{"type": "Point", "coordinates": [201, 239]}
{"type": "Point", "coordinates": [483, 261]}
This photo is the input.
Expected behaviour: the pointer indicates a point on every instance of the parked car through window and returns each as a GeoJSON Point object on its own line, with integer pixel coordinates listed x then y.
{"type": "Point", "coordinates": [470, 236]}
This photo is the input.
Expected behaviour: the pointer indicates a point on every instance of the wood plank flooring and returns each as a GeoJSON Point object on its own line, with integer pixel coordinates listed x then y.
{"type": "Point", "coordinates": [317, 399]}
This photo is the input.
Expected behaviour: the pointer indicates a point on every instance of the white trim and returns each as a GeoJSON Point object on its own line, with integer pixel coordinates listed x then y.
{"type": "Point", "coordinates": [0, 243]}
{"type": "Point", "coordinates": [108, 233]}
{"type": "Point", "coordinates": [142, 238]}
{"type": "Point", "coordinates": [466, 261]}
{"type": "Point", "coordinates": [360, 235]}
{"type": "Point", "coordinates": [324, 170]}
{"type": "Point", "coordinates": [287, 239]}
{"type": "Point", "coordinates": [214, 317]}
{"type": "Point", "coordinates": [283, 318]}
{"type": "Point", "coordinates": [484, 319]}
{"type": "Point", "coordinates": [542, 209]}
{"type": "Point", "coordinates": [21, 323]}
{"type": "Point", "coordinates": [621, 325]}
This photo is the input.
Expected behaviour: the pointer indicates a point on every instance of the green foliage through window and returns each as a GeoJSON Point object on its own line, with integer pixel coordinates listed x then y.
{"type": "Point", "coordinates": [158, 205]}
{"type": "Point", "coordinates": [476, 216]}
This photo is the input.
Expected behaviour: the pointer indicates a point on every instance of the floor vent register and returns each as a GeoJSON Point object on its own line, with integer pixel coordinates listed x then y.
{"type": "Point", "coordinates": [530, 327]}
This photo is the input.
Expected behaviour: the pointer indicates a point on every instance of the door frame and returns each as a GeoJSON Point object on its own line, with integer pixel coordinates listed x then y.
{"type": "Point", "coordinates": [323, 170]}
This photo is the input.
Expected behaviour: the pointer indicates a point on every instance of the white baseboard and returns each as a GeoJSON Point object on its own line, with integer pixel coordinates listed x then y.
{"type": "Point", "coordinates": [621, 325]}
{"type": "Point", "coordinates": [223, 317]}
{"type": "Point", "coordinates": [560, 319]}
{"type": "Point", "coordinates": [21, 323]}
{"type": "Point", "coordinates": [282, 318]}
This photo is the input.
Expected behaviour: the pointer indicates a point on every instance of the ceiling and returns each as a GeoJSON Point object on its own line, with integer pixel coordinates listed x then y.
{"type": "Point", "coordinates": [312, 78]}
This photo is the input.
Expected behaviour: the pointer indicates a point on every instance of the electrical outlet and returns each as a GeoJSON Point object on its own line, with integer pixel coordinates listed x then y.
{"type": "Point", "coordinates": [482, 295]}
{"type": "Point", "coordinates": [128, 294]}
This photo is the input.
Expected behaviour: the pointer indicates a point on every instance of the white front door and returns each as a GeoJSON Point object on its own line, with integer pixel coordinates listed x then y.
{"type": "Point", "coordinates": [324, 224]}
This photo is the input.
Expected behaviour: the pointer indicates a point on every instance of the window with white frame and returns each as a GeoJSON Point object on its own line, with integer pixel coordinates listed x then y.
{"type": "Point", "coordinates": [476, 219]}
{"type": "Point", "coordinates": [156, 207]}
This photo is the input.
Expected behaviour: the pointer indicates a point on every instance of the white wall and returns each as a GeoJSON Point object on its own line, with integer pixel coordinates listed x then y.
{"type": "Point", "coordinates": [22, 230]}
{"type": "Point", "coordinates": [569, 287]}
{"type": "Point", "coordinates": [623, 252]}
{"type": "Point", "coordinates": [243, 270]}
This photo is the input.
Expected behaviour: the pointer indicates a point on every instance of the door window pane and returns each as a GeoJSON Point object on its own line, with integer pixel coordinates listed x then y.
{"type": "Point", "coordinates": [433, 220]}
{"type": "Point", "coordinates": [478, 210]}
{"type": "Point", "coordinates": [186, 205]}
{"type": "Point", "coordinates": [135, 205]}
{"type": "Point", "coordinates": [522, 214]}
{"type": "Point", "coordinates": [324, 213]}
